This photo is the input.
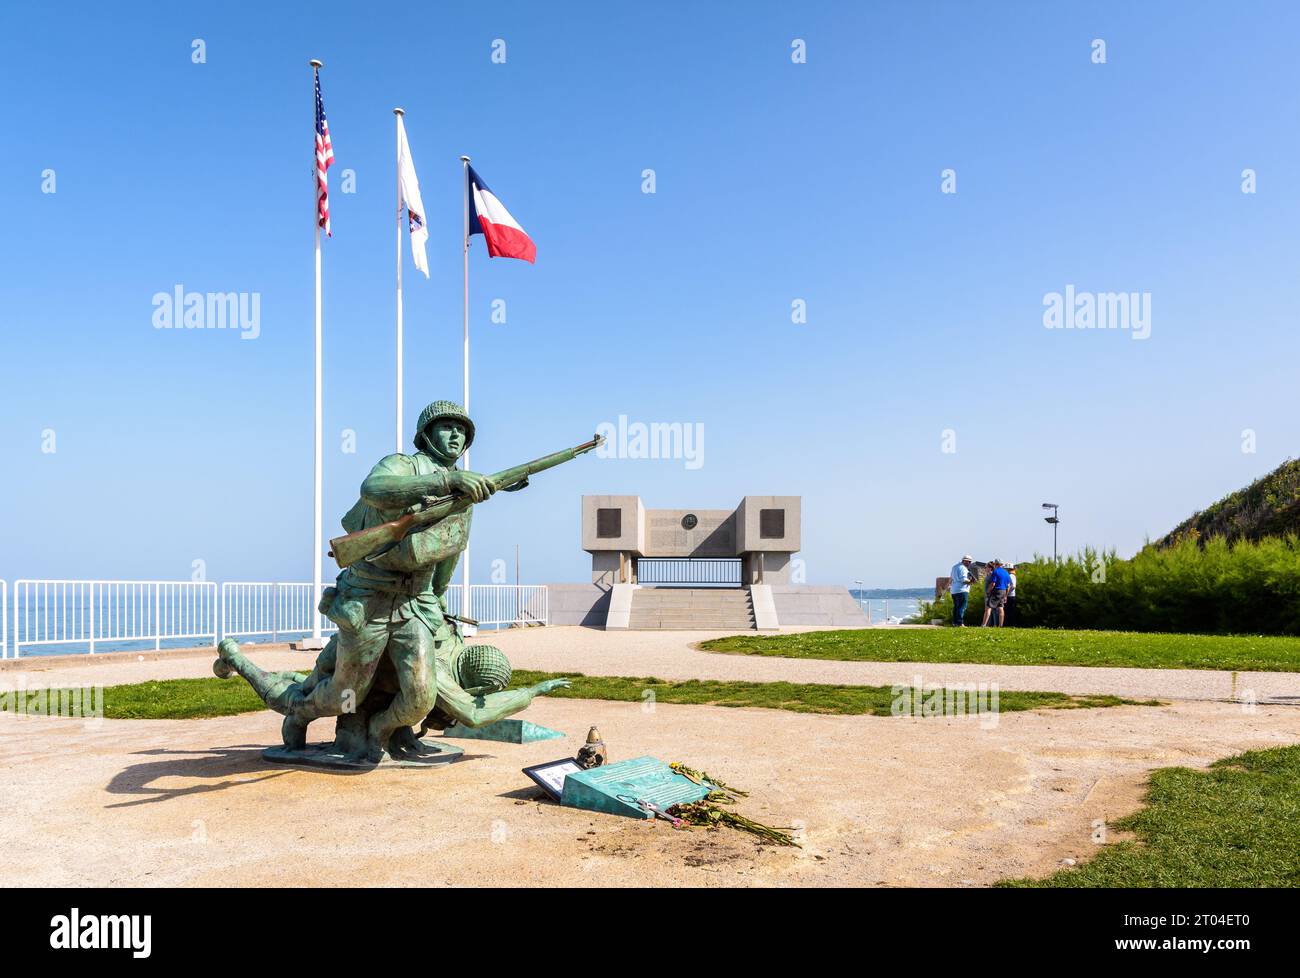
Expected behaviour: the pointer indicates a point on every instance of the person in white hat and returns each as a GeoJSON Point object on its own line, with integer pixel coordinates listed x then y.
{"type": "Point", "coordinates": [961, 578]}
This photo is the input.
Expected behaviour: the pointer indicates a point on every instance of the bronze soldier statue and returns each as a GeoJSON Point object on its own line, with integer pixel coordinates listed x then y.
{"type": "Point", "coordinates": [397, 659]}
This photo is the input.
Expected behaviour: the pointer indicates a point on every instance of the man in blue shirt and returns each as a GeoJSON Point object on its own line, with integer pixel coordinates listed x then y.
{"type": "Point", "coordinates": [961, 578]}
{"type": "Point", "coordinates": [995, 595]}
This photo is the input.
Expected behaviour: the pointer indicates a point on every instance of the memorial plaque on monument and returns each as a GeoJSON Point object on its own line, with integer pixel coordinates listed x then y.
{"type": "Point", "coordinates": [771, 524]}
{"type": "Point", "coordinates": [609, 523]}
{"type": "Point", "coordinates": [698, 534]}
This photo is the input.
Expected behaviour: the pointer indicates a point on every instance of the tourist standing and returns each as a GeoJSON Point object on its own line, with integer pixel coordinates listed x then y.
{"type": "Point", "coordinates": [987, 577]}
{"type": "Point", "coordinates": [1012, 614]}
{"type": "Point", "coordinates": [996, 585]}
{"type": "Point", "coordinates": [961, 578]}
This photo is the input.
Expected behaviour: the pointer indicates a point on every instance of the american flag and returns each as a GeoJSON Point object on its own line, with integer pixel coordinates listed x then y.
{"type": "Point", "coordinates": [324, 157]}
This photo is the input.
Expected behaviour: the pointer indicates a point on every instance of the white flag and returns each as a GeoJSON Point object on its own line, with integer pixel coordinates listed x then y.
{"type": "Point", "coordinates": [410, 187]}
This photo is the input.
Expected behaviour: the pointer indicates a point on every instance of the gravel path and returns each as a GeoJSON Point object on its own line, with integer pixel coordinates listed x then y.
{"type": "Point", "coordinates": [875, 800]}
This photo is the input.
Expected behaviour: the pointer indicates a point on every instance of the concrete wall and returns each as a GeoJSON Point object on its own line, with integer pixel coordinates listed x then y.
{"type": "Point", "coordinates": [604, 568]}
{"type": "Point", "coordinates": [714, 534]}
{"type": "Point", "coordinates": [776, 568]}
{"type": "Point", "coordinates": [632, 538]}
{"type": "Point", "coordinates": [748, 537]}
{"type": "Point", "coordinates": [578, 604]}
{"type": "Point", "coordinates": [806, 604]}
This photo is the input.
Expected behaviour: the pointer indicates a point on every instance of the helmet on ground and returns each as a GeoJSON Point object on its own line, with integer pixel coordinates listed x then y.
{"type": "Point", "coordinates": [484, 668]}
{"type": "Point", "coordinates": [443, 411]}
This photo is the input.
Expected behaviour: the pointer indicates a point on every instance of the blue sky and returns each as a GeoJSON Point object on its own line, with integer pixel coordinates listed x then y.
{"type": "Point", "coordinates": [775, 181]}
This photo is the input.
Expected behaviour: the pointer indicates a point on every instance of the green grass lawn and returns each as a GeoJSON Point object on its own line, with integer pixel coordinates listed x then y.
{"type": "Point", "coordinates": [1027, 647]}
{"type": "Point", "coordinates": [182, 699]}
{"type": "Point", "coordinates": [1237, 824]}
{"type": "Point", "coordinates": [796, 697]}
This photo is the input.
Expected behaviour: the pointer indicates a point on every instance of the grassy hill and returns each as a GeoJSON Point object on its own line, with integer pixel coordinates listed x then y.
{"type": "Point", "coordinates": [1268, 507]}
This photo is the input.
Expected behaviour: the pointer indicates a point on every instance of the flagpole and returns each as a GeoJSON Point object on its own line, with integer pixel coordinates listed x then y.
{"type": "Point", "coordinates": [316, 494]}
{"type": "Point", "coordinates": [465, 608]}
{"type": "Point", "coordinates": [398, 113]}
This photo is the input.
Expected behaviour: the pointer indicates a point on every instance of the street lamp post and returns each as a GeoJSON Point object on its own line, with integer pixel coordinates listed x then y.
{"type": "Point", "coordinates": [1054, 519]}
{"type": "Point", "coordinates": [860, 602]}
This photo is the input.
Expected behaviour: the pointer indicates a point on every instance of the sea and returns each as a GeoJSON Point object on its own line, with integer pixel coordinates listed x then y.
{"type": "Point", "coordinates": [891, 603]}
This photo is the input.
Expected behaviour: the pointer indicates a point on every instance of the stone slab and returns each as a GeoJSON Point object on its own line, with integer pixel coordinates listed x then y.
{"type": "Point", "coordinates": [613, 788]}
{"type": "Point", "coordinates": [508, 731]}
{"type": "Point", "coordinates": [324, 755]}
{"type": "Point", "coordinates": [765, 616]}
{"type": "Point", "coordinates": [578, 604]}
{"type": "Point", "coordinates": [811, 605]}
{"type": "Point", "coordinates": [620, 606]}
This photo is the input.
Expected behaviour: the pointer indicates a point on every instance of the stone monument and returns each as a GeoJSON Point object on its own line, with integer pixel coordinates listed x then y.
{"type": "Point", "coordinates": [698, 569]}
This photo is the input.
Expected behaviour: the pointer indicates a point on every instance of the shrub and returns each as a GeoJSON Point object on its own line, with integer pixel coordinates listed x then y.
{"type": "Point", "coordinates": [942, 607]}
{"type": "Point", "coordinates": [1209, 586]}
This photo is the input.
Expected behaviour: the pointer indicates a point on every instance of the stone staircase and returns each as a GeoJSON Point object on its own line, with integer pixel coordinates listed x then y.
{"type": "Point", "coordinates": [721, 609]}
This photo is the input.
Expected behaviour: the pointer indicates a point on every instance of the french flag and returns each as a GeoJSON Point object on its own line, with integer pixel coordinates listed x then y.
{"type": "Point", "coordinates": [489, 217]}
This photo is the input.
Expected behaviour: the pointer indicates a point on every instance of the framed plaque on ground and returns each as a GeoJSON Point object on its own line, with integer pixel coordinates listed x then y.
{"type": "Point", "coordinates": [550, 776]}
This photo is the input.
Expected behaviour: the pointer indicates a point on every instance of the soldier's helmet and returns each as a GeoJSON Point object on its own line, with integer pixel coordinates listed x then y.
{"type": "Point", "coordinates": [483, 668]}
{"type": "Point", "coordinates": [442, 411]}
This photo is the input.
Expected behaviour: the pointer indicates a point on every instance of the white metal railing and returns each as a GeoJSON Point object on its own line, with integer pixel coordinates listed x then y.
{"type": "Point", "coordinates": [276, 609]}
{"type": "Point", "coordinates": [90, 612]}
{"type": "Point", "coordinates": [269, 608]}
{"type": "Point", "coordinates": [909, 606]}
{"type": "Point", "coordinates": [502, 604]}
